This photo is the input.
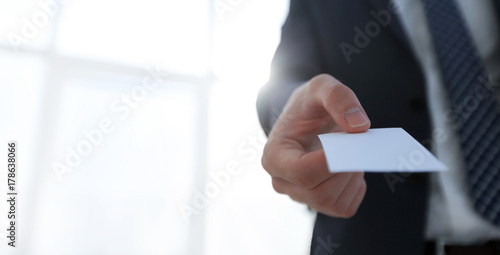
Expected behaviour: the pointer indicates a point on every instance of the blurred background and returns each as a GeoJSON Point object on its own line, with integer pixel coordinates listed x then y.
{"type": "Point", "coordinates": [136, 128]}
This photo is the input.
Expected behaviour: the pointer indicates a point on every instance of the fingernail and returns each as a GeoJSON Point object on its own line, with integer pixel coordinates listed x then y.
{"type": "Point", "coordinates": [355, 117]}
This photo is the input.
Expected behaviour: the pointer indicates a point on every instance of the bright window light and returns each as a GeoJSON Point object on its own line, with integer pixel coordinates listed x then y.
{"type": "Point", "coordinates": [111, 163]}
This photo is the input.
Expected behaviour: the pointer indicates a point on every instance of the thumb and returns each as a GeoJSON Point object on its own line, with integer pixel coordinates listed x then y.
{"type": "Point", "coordinates": [340, 102]}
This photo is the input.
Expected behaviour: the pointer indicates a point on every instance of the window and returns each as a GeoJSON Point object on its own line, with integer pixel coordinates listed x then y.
{"type": "Point", "coordinates": [137, 128]}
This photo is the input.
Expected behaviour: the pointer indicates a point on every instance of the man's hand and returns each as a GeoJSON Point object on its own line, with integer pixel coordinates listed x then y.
{"type": "Point", "coordinates": [293, 155]}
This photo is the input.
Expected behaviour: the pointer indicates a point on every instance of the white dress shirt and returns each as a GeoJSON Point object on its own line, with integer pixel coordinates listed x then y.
{"type": "Point", "coordinates": [452, 218]}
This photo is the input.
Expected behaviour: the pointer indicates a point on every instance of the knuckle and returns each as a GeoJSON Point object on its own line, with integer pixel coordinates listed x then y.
{"type": "Point", "coordinates": [342, 211]}
{"type": "Point", "coordinates": [332, 89]}
{"type": "Point", "coordinates": [321, 201]}
{"type": "Point", "coordinates": [266, 159]}
{"type": "Point", "coordinates": [363, 187]}
{"type": "Point", "coordinates": [302, 179]}
{"type": "Point", "coordinates": [350, 212]}
{"type": "Point", "coordinates": [321, 80]}
{"type": "Point", "coordinates": [338, 90]}
{"type": "Point", "coordinates": [277, 186]}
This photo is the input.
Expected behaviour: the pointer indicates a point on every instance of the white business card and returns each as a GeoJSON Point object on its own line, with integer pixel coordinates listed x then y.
{"type": "Point", "coordinates": [378, 150]}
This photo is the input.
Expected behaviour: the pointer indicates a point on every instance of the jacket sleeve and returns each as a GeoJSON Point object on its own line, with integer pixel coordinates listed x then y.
{"type": "Point", "coordinates": [296, 60]}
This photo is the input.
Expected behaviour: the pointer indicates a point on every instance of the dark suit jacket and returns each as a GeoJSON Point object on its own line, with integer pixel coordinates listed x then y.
{"type": "Point", "coordinates": [389, 83]}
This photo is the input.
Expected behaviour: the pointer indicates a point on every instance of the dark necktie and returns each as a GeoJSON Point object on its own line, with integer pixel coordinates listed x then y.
{"type": "Point", "coordinates": [475, 112]}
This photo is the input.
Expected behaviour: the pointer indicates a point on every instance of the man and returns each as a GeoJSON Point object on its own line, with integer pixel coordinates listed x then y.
{"type": "Point", "coordinates": [349, 65]}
